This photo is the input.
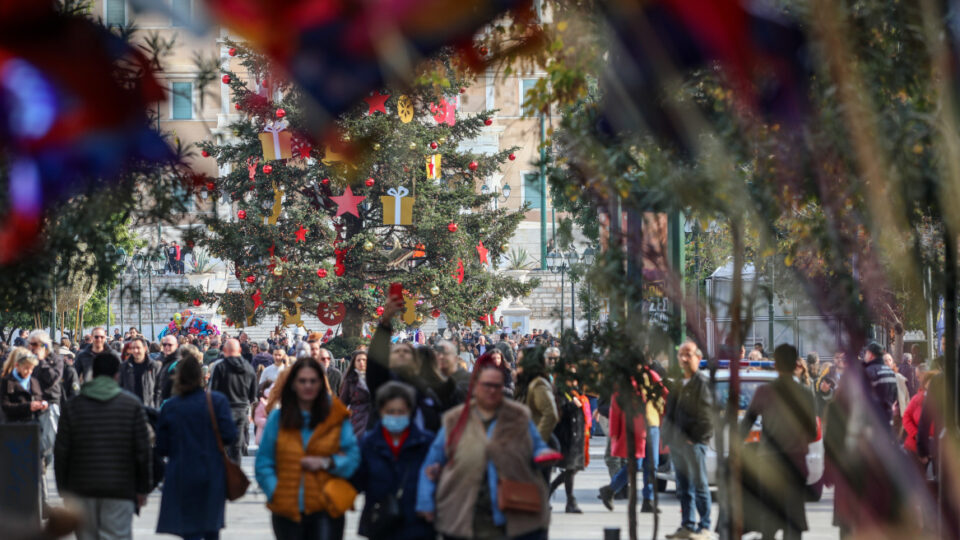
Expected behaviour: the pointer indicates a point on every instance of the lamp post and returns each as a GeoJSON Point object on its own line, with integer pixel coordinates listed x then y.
{"type": "Point", "coordinates": [119, 256]}
{"type": "Point", "coordinates": [154, 264]}
{"type": "Point", "coordinates": [503, 196]}
{"type": "Point", "coordinates": [557, 264]}
{"type": "Point", "coordinates": [587, 258]}
{"type": "Point", "coordinates": [139, 262]}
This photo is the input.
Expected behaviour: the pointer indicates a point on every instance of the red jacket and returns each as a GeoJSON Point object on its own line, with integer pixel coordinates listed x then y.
{"type": "Point", "coordinates": [911, 417]}
{"type": "Point", "coordinates": [618, 430]}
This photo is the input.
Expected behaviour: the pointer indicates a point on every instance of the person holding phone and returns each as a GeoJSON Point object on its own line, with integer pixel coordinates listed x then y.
{"type": "Point", "coordinates": [21, 399]}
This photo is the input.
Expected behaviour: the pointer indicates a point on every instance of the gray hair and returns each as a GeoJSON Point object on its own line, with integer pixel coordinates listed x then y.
{"type": "Point", "coordinates": [393, 390]}
{"type": "Point", "coordinates": [447, 346]}
{"type": "Point", "coordinates": [264, 346]}
{"type": "Point", "coordinates": [40, 335]}
{"type": "Point", "coordinates": [302, 350]}
{"type": "Point", "coordinates": [552, 350]}
{"type": "Point", "coordinates": [908, 358]}
{"type": "Point", "coordinates": [813, 357]}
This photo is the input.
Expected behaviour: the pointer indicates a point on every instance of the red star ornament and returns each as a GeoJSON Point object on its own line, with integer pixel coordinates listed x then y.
{"type": "Point", "coordinates": [347, 203]}
{"type": "Point", "coordinates": [482, 251]}
{"type": "Point", "coordinates": [257, 299]}
{"type": "Point", "coordinates": [377, 102]}
{"type": "Point", "coordinates": [301, 233]}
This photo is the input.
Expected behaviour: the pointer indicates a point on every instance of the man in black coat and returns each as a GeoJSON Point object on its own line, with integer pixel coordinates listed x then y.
{"type": "Point", "coordinates": [325, 358]}
{"type": "Point", "coordinates": [164, 387]}
{"type": "Point", "coordinates": [881, 380]}
{"type": "Point", "coordinates": [234, 378]}
{"type": "Point", "coordinates": [103, 452]}
{"type": "Point", "coordinates": [139, 374]}
{"type": "Point", "coordinates": [84, 360]}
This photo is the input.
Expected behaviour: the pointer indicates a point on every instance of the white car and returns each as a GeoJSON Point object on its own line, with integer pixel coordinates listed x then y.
{"type": "Point", "coordinates": [749, 382]}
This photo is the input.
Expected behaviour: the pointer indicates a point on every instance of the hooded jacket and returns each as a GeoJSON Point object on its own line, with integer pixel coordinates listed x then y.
{"type": "Point", "coordinates": [103, 444]}
{"type": "Point", "coordinates": [234, 378]}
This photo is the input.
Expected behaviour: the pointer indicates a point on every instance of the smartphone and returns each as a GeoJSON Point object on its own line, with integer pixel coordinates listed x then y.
{"type": "Point", "coordinates": [396, 291]}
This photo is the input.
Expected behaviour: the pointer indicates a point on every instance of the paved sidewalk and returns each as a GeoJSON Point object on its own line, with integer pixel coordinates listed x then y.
{"type": "Point", "coordinates": [248, 518]}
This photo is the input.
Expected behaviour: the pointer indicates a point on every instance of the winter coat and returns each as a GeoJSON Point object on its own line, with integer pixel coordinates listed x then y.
{"type": "Point", "coordinates": [236, 380]}
{"type": "Point", "coordinates": [49, 373]}
{"type": "Point", "coordinates": [543, 408]}
{"type": "Point", "coordinates": [195, 484]}
{"type": "Point", "coordinates": [618, 430]}
{"type": "Point", "coordinates": [381, 474]}
{"type": "Point", "coordinates": [70, 383]}
{"type": "Point", "coordinates": [148, 381]}
{"type": "Point", "coordinates": [210, 356]}
{"type": "Point", "coordinates": [911, 422]}
{"type": "Point", "coordinates": [84, 361]}
{"type": "Point", "coordinates": [356, 396]}
{"type": "Point", "coordinates": [103, 443]}
{"type": "Point", "coordinates": [689, 411]}
{"type": "Point", "coordinates": [164, 386]}
{"type": "Point", "coordinates": [334, 379]}
{"type": "Point", "coordinates": [16, 401]}
{"type": "Point", "coordinates": [262, 359]}
{"type": "Point", "coordinates": [571, 431]}
{"type": "Point", "coordinates": [882, 382]}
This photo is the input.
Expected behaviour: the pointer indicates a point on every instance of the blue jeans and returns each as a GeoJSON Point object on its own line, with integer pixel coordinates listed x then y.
{"type": "Point", "coordinates": [650, 462]}
{"type": "Point", "coordinates": [691, 467]}
{"type": "Point", "coordinates": [621, 479]}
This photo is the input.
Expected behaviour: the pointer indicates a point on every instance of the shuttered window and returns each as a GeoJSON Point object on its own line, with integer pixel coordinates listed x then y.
{"type": "Point", "coordinates": [116, 12]}
{"type": "Point", "coordinates": [182, 101]}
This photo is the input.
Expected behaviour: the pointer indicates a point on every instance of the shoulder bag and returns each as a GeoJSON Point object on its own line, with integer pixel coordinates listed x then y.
{"type": "Point", "coordinates": [237, 481]}
{"type": "Point", "coordinates": [519, 496]}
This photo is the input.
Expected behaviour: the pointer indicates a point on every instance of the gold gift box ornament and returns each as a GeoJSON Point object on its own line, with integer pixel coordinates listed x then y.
{"type": "Point", "coordinates": [397, 207]}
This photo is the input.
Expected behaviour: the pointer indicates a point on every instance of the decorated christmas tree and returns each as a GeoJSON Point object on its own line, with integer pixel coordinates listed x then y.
{"type": "Point", "coordinates": [326, 222]}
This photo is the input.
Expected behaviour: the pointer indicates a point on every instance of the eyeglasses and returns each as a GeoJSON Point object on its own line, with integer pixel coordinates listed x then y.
{"type": "Point", "coordinates": [553, 358]}
{"type": "Point", "coordinates": [35, 344]}
{"type": "Point", "coordinates": [168, 344]}
{"type": "Point", "coordinates": [326, 358]}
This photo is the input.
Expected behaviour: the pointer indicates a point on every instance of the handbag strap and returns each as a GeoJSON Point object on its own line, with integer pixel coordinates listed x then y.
{"type": "Point", "coordinates": [216, 429]}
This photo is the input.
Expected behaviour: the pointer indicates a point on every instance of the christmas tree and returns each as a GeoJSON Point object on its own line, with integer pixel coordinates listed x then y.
{"type": "Point", "coordinates": [327, 223]}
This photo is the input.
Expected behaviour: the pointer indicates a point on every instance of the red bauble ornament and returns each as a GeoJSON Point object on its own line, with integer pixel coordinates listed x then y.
{"type": "Point", "coordinates": [473, 165]}
{"type": "Point", "coordinates": [225, 79]}
{"type": "Point", "coordinates": [267, 169]}
{"type": "Point", "coordinates": [242, 214]}
{"type": "Point", "coordinates": [322, 273]}
{"type": "Point", "coordinates": [434, 145]}
{"type": "Point", "coordinates": [406, 169]}
{"type": "Point", "coordinates": [232, 51]}
{"type": "Point", "coordinates": [251, 278]}
{"type": "Point", "coordinates": [236, 106]}
{"type": "Point", "coordinates": [196, 302]}
{"type": "Point", "coordinates": [228, 322]}
{"type": "Point", "coordinates": [211, 186]}
{"type": "Point", "coordinates": [484, 51]}
{"type": "Point", "coordinates": [380, 310]}
{"type": "Point", "coordinates": [370, 182]}
{"type": "Point", "coordinates": [281, 113]}
{"type": "Point", "coordinates": [325, 181]}
{"type": "Point", "coordinates": [488, 122]}
{"type": "Point", "coordinates": [205, 153]}
{"type": "Point", "coordinates": [463, 89]}
{"type": "Point", "coordinates": [512, 157]}
{"type": "Point", "coordinates": [435, 313]}
{"type": "Point", "coordinates": [452, 227]}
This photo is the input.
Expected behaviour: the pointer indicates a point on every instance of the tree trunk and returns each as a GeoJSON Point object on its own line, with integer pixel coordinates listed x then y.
{"type": "Point", "coordinates": [352, 326]}
{"type": "Point", "coordinates": [734, 500]}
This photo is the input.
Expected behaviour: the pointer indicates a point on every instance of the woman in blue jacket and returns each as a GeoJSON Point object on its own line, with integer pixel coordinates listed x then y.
{"type": "Point", "coordinates": [195, 484]}
{"type": "Point", "coordinates": [391, 456]}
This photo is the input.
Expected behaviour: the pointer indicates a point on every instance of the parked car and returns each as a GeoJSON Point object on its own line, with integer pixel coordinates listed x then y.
{"type": "Point", "coordinates": [749, 382]}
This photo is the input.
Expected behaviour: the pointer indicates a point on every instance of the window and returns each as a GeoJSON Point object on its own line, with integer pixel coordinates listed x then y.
{"type": "Point", "coordinates": [185, 197]}
{"type": "Point", "coordinates": [183, 9]}
{"type": "Point", "coordinates": [531, 190]}
{"type": "Point", "coordinates": [181, 101]}
{"type": "Point", "coordinates": [116, 12]}
{"type": "Point", "coordinates": [525, 86]}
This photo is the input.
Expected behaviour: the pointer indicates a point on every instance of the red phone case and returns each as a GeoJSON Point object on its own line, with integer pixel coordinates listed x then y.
{"type": "Point", "coordinates": [396, 290]}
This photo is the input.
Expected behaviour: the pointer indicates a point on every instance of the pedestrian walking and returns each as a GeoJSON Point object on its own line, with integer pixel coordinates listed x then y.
{"type": "Point", "coordinates": [271, 372]}
{"type": "Point", "coordinates": [84, 360]}
{"type": "Point", "coordinates": [392, 455]}
{"type": "Point", "coordinates": [911, 417]}
{"type": "Point", "coordinates": [102, 453]}
{"type": "Point", "coordinates": [21, 399]}
{"type": "Point", "coordinates": [307, 452]}
{"type": "Point", "coordinates": [325, 358]}
{"type": "Point", "coordinates": [448, 361]}
{"type": "Point", "coordinates": [496, 355]}
{"type": "Point", "coordinates": [70, 382]}
{"type": "Point", "coordinates": [355, 394]}
{"type": "Point", "coordinates": [537, 392]}
{"type": "Point", "coordinates": [688, 430]}
{"type": "Point", "coordinates": [478, 480]}
{"type": "Point", "coordinates": [774, 498]}
{"type": "Point", "coordinates": [195, 484]}
{"type": "Point", "coordinates": [882, 382]}
{"type": "Point", "coordinates": [170, 358]}
{"type": "Point", "coordinates": [235, 379]}
{"type": "Point", "coordinates": [261, 355]}
{"type": "Point", "coordinates": [49, 373]}
{"type": "Point", "coordinates": [570, 432]}
{"type": "Point", "coordinates": [139, 374]}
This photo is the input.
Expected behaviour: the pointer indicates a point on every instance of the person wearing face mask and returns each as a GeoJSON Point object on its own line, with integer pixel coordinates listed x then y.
{"type": "Point", "coordinates": [355, 394]}
{"type": "Point", "coordinates": [391, 456]}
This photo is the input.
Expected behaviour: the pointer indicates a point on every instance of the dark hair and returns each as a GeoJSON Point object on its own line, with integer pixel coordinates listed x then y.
{"type": "Point", "coordinates": [785, 358]}
{"type": "Point", "coordinates": [876, 349]}
{"type": "Point", "coordinates": [353, 361]}
{"type": "Point", "coordinates": [428, 366]}
{"type": "Point", "coordinates": [106, 364]}
{"type": "Point", "coordinates": [189, 376]}
{"type": "Point", "coordinates": [393, 390]}
{"type": "Point", "coordinates": [290, 416]}
{"type": "Point", "coordinates": [533, 365]}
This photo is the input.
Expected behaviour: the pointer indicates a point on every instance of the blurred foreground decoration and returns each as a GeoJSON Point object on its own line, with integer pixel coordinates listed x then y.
{"type": "Point", "coordinates": [73, 113]}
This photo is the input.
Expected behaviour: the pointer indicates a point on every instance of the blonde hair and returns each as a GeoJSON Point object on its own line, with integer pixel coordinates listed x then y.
{"type": "Point", "coordinates": [19, 355]}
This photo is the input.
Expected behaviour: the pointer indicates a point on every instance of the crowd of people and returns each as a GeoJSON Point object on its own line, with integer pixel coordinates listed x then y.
{"type": "Point", "coordinates": [418, 425]}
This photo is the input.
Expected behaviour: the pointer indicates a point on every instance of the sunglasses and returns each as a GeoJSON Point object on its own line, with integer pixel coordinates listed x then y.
{"type": "Point", "coordinates": [168, 344]}
{"type": "Point", "coordinates": [35, 344]}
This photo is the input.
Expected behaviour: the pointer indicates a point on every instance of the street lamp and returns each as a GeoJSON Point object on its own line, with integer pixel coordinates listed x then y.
{"type": "Point", "coordinates": [557, 264]}
{"type": "Point", "coordinates": [587, 259]}
{"type": "Point", "coordinates": [140, 264]}
{"type": "Point", "coordinates": [503, 196]}
{"type": "Point", "coordinates": [119, 256]}
{"type": "Point", "coordinates": [155, 264]}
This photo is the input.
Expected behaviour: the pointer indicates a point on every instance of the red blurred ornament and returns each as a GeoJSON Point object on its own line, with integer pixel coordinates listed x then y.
{"type": "Point", "coordinates": [211, 186]}
{"type": "Point", "coordinates": [380, 310]}
{"type": "Point", "coordinates": [205, 153]}
{"type": "Point", "coordinates": [512, 157]}
{"type": "Point", "coordinates": [251, 278]}
{"type": "Point", "coordinates": [473, 165]}
{"type": "Point", "coordinates": [225, 79]}
{"type": "Point", "coordinates": [267, 169]}
{"type": "Point", "coordinates": [281, 113]}
{"type": "Point", "coordinates": [434, 145]}
{"type": "Point", "coordinates": [232, 51]}
{"type": "Point", "coordinates": [435, 313]}
{"type": "Point", "coordinates": [325, 181]}
{"type": "Point", "coordinates": [196, 302]}
{"type": "Point", "coordinates": [488, 122]}
{"type": "Point", "coordinates": [370, 182]}
{"type": "Point", "coordinates": [228, 322]}
{"type": "Point", "coordinates": [322, 273]}
{"type": "Point", "coordinates": [463, 89]}
{"type": "Point", "coordinates": [452, 227]}
{"type": "Point", "coordinates": [242, 214]}
{"type": "Point", "coordinates": [406, 169]}
{"type": "Point", "coordinates": [236, 106]}
{"type": "Point", "coordinates": [484, 51]}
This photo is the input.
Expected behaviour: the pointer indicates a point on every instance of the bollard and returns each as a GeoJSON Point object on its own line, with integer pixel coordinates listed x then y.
{"type": "Point", "coordinates": [611, 533]}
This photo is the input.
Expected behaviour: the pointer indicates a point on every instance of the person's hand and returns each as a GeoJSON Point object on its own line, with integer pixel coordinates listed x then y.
{"type": "Point", "coordinates": [37, 406]}
{"type": "Point", "coordinates": [427, 516]}
{"type": "Point", "coordinates": [924, 460]}
{"type": "Point", "coordinates": [824, 387]}
{"type": "Point", "coordinates": [141, 500]}
{"type": "Point", "coordinates": [432, 472]}
{"type": "Point", "coordinates": [391, 308]}
{"type": "Point", "coordinates": [315, 463]}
